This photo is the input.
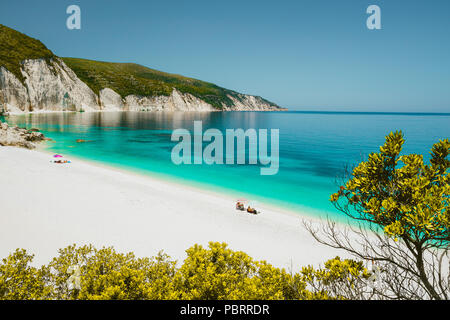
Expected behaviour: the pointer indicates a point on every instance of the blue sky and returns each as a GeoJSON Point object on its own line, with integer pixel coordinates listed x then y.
{"type": "Point", "coordinates": [303, 54]}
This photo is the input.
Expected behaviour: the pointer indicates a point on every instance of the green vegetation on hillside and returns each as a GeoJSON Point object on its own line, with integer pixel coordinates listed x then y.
{"type": "Point", "coordinates": [16, 47]}
{"type": "Point", "coordinates": [130, 78]}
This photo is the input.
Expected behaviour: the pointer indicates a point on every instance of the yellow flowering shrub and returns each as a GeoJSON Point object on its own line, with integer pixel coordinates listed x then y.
{"type": "Point", "coordinates": [216, 272]}
{"type": "Point", "coordinates": [106, 274]}
{"type": "Point", "coordinates": [220, 273]}
{"type": "Point", "coordinates": [19, 280]}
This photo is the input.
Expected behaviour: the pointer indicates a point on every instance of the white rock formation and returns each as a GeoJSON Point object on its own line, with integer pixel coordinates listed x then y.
{"type": "Point", "coordinates": [246, 102]}
{"type": "Point", "coordinates": [53, 86]}
{"type": "Point", "coordinates": [13, 94]}
{"type": "Point", "coordinates": [111, 100]}
{"type": "Point", "coordinates": [177, 101]}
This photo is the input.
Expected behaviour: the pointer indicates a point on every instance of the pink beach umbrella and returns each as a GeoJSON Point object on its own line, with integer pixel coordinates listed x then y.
{"type": "Point", "coordinates": [57, 156]}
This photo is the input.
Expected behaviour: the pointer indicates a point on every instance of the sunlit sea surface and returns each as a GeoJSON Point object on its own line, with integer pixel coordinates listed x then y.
{"type": "Point", "coordinates": [315, 148]}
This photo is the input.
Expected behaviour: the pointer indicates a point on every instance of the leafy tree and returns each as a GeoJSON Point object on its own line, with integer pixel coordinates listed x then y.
{"type": "Point", "coordinates": [401, 207]}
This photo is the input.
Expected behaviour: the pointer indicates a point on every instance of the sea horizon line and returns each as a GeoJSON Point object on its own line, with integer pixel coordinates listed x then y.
{"type": "Point", "coordinates": [370, 112]}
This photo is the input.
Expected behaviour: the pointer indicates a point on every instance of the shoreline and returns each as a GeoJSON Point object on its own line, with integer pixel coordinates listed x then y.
{"type": "Point", "coordinates": [83, 202]}
{"type": "Point", "coordinates": [190, 184]}
{"type": "Point", "coordinates": [292, 208]}
{"type": "Point", "coordinates": [114, 110]}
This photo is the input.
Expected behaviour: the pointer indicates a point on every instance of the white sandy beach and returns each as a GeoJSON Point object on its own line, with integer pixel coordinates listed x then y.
{"type": "Point", "coordinates": [46, 206]}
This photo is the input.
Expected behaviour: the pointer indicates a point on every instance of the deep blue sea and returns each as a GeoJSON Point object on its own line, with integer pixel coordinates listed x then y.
{"type": "Point", "coordinates": [315, 147]}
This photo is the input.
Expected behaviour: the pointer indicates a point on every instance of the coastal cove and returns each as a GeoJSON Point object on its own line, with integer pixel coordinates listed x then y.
{"type": "Point", "coordinates": [224, 159]}
{"type": "Point", "coordinates": [315, 148]}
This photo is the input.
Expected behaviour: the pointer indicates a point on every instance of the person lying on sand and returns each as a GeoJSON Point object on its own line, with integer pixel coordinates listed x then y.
{"type": "Point", "coordinates": [61, 161]}
{"type": "Point", "coordinates": [240, 206]}
{"type": "Point", "coordinates": [251, 210]}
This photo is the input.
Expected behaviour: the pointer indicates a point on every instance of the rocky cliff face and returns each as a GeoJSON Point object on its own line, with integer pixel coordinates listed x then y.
{"type": "Point", "coordinates": [246, 102]}
{"type": "Point", "coordinates": [177, 101]}
{"type": "Point", "coordinates": [13, 94]}
{"type": "Point", "coordinates": [50, 85]}
{"type": "Point", "coordinates": [54, 86]}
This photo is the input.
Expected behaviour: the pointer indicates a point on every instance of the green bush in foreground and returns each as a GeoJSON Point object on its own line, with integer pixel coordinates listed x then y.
{"type": "Point", "coordinates": [213, 273]}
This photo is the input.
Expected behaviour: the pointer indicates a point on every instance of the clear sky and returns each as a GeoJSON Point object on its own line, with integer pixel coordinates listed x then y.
{"type": "Point", "coordinates": [303, 54]}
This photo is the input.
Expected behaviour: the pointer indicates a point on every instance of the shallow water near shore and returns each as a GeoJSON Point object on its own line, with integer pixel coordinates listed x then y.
{"type": "Point", "coordinates": [315, 147]}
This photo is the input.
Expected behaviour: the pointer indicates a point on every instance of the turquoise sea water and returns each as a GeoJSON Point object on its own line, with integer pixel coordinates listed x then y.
{"type": "Point", "coordinates": [315, 147]}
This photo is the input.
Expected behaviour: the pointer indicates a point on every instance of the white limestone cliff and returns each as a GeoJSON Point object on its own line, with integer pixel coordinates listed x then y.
{"type": "Point", "coordinates": [177, 101]}
{"type": "Point", "coordinates": [13, 94]}
{"type": "Point", "coordinates": [244, 102]}
{"type": "Point", "coordinates": [111, 100]}
{"type": "Point", "coordinates": [53, 86]}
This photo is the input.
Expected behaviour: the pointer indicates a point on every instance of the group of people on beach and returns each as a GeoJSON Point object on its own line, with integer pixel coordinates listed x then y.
{"type": "Point", "coordinates": [240, 206]}
{"type": "Point", "coordinates": [57, 158]}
